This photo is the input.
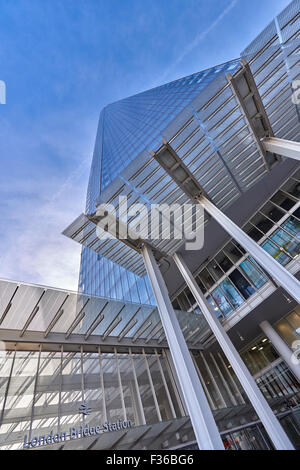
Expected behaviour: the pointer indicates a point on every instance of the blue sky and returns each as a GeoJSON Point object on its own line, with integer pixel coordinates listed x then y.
{"type": "Point", "coordinates": [62, 61]}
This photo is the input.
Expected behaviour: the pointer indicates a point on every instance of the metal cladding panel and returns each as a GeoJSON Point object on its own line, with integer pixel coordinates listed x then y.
{"type": "Point", "coordinates": [288, 21]}
{"type": "Point", "coordinates": [85, 232]}
{"type": "Point", "coordinates": [275, 62]}
{"type": "Point", "coordinates": [71, 313]}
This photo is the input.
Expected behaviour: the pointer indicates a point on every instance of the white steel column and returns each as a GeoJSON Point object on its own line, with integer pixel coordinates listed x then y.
{"type": "Point", "coordinates": [281, 347]}
{"type": "Point", "coordinates": [285, 148]}
{"type": "Point", "coordinates": [120, 385]}
{"type": "Point", "coordinates": [259, 403]}
{"type": "Point", "coordinates": [278, 272]}
{"type": "Point", "coordinates": [206, 431]}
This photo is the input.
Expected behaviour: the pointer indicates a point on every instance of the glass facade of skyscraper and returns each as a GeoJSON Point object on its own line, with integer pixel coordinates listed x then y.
{"type": "Point", "coordinates": [126, 129]}
{"type": "Point", "coordinates": [136, 125]}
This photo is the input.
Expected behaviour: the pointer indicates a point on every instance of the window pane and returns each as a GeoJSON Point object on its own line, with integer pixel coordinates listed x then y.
{"type": "Point", "coordinates": [223, 261]}
{"type": "Point", "coordinates": [262, 223]}
{"type": "Point", "coordinates": [93, 394]}
{"type": "Point", "coordinates": [286, 332]}
{"type": "Point", "coordinates": [215, 270]}
{"type": "Point", "coordinates": [222, 302]}
{"type": "Point", "coordinates": [241, 284]}
{"type": "Point", "coordinates": [296, 213]}
{"type": "Point", "coordinates": [183, 302]}
{"type": "Point", "coordinates": [176, 305]}
{"type": "Point", "coordinates": [217, 312]}
{"type": "Point", "coordinates": [200, 284]}
{"type": "Point", "coordinates": [111, 388]}
{"type": "Point", "coordinates": [282, 200]}
{"type": "Point", "coordinates": [286, 241]}
{"type": "Point", "coordinates": [292, 187]}
{"type": "Point", "coordinates": [292, 225]}
{"type": "Point", "coordinates": [294, 320]}
{"type": "Point", "coordinates": [206, 278]}
{"type": "Point", "coordinates": [256, 277]}
{"type": "Point", "coordinates": [145, 389]}
{"type": "Point", "coordinates": [190, 297]}
{"type": "Point", "coordinates": [253, 232]}
{"type": "Point", "coordinates": [231, 293]}
{"type": "Point", "coordinates": [159, 387]}
{"type": "Point", "coordinates": [232, 251]}
{"type": "Point", "coordinates": [272, 212]}
{"type": "Point", "coordinates": [276, 252]}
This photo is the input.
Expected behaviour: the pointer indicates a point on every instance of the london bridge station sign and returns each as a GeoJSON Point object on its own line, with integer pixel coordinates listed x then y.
{"type": "Point", "coordinates": [75, 433]}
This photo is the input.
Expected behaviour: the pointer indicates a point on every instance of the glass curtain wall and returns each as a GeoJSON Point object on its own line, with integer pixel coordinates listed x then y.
{"type": "Point", "coordinates": [43, 391]}
{"type": "Point", "coordinates": [272, 375]}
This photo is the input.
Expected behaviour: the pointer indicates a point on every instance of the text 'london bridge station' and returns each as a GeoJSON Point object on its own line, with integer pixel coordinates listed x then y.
{"type": "Point", "coordinates": [185, 348]}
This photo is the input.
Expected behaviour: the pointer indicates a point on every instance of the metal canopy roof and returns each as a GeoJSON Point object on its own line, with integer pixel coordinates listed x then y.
{"type": "Point", "coordinates": [32, 313]}
{"type": "Point", "coordinates": [217, 137]}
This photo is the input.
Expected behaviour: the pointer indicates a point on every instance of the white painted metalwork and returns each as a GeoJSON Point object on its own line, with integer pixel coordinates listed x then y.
{"type": "Point", "coordinates": [213, 380]}
{"type": "Point", "coordinates": [263, 410]}
{"type": "Point", "coordinates": [120, 385]}
{"type": "Point", "coordinates": [281, 347]}
{"type": "Point", "coordinates": [285, 148]}
{"type": "Point", "coordinates": [152, 387]}
{"type": "Point", "coordinates": [275, 269]}
{"type": "Point", "coordinates": [205, 428]}
{"type": "Point", "coordinates": [165, 385]}
{"type": "Point", "coordinates": [102, 385]}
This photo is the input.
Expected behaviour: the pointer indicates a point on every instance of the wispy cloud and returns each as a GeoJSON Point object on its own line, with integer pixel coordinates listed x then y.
{"type": "Point", "coordinates": [197, 40]}
{"type": "Point", "coordinates": [35, 210]}
{"type": "Point", "coordinates": [33, 249]}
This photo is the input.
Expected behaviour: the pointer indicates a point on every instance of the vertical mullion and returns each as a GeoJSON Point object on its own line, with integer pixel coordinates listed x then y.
{"type": "Point", "coordinates": [165, 385]}
{"type": "Point", "coordinates": [232, 397]}
{"type": "Point", "coordinates": [120, 385]}
{"type": "Point", "coordinates": [234, 385]}
{"type": "Point", "coordinates": [137, 388]}
{"type": "Point", "coordinates": [102, 385]}
{"type": "Point", "coordinates": [82, 376]}
{"type": "Point", "coordinates": [213, 380]}
{"type": "Point", "coordinates": [210, 399]}
{"type": "Point", "coordinates": [60, 388]}
{"type": "Point", "coordinates": [152, 387]}
{"type": "Point", "coordinates": [7, 388]}
{"type": "Point", "coordinates": [175, 384]}
{"type": "Point", "coordinates": [34, 391]}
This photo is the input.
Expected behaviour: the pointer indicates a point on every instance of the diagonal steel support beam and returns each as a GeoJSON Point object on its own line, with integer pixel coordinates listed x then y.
{"type": "Point", "coordinates": [8, 307]}
{"type": "Point", "coordinates": [247, 95]}
{"type": "Point", "coordinates": [96, 322]}
{"type": "Point", "coordinates": [77, 320]}
{"type": "Point", "coordinates": [179, 172]}
{"type": "Point", "coordinates": [263, 410]}
{"type": "Point", "coordinates": [32, 315]}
